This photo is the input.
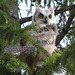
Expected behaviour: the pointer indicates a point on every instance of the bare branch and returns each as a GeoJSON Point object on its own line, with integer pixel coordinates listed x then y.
{"type": "Point", "coordinates": [64, 8]}
{"type": "Point", "coordinates": [61, 10]}
{"type": "Point", "coordinates": [23, 20]}
{"type": "Point", "coordinates": [66, 27]}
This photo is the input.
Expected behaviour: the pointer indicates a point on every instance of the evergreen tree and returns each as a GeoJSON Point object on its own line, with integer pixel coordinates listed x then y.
{"type": "Point", "coordinates": [11, 33]}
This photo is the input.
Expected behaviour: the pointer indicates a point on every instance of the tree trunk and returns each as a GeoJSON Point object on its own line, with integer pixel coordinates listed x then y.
{"type": "Point", "coordinates": [14, 7]}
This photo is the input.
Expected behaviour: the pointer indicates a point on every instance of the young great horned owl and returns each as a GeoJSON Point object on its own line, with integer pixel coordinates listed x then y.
{"type": "Point", "coordinates": [47, 28]}
{"type": "Point", "coordinates": [47, 32]}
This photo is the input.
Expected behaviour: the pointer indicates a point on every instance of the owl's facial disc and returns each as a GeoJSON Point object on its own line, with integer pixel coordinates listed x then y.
{"type": "Point", "coordinates": [45, 18]}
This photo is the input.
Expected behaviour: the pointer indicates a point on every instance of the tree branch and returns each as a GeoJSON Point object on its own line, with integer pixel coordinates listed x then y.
{"type": "Point", "coordinates": [23, 20]}
{"type": "Point", "coordinates": [64, 8]}
{"type": "Point", "coordinates": [66, 27]}
{"type": "Point", "coordinates": [61, 10]}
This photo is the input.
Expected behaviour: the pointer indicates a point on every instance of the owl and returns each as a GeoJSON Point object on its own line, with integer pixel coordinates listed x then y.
{"type": "Point", "coordinates": [47, 28]}
{"type": "Point", "coordinates": [47, 32]}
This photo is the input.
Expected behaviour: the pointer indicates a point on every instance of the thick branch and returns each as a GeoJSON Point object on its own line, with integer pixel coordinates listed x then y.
{"type": "Point", "coordinates": [64, 8]}
{"type": "Point", "coordinates": [23, 20]}
{"type": "Point", "coordinates": [61, 10]}
{"type": "Point", "coordinates": [66, 27]}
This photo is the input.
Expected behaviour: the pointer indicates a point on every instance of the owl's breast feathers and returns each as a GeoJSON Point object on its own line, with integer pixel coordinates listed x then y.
{"type": "Point", "coordinates": [46, 28]}
{"type": "Point", "coordinates": [46, 34]}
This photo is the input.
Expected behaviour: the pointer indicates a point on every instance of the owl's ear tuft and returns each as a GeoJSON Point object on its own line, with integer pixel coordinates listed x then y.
{"type": "Point", "coordinates": [52, 10]}
{"type": "Point", "coordinates": [37, 9]}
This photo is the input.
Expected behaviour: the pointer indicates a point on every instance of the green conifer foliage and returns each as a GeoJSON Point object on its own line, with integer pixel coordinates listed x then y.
{"type": "Point", "coordinates": [11, 33]}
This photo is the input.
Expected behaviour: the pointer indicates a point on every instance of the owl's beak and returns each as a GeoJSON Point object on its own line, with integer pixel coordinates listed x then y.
{"type": "Point", "coordinates": [45, 20]}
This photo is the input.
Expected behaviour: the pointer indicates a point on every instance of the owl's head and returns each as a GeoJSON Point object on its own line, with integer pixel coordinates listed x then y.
{"type": "Point", "coordinates": [44, 16]}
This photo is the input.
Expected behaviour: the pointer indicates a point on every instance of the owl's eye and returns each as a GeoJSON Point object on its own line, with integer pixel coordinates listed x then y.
{"type": "Point", "coordinates": [50, 16]}
{"type": "Point", "coordinates": [40, 15]}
